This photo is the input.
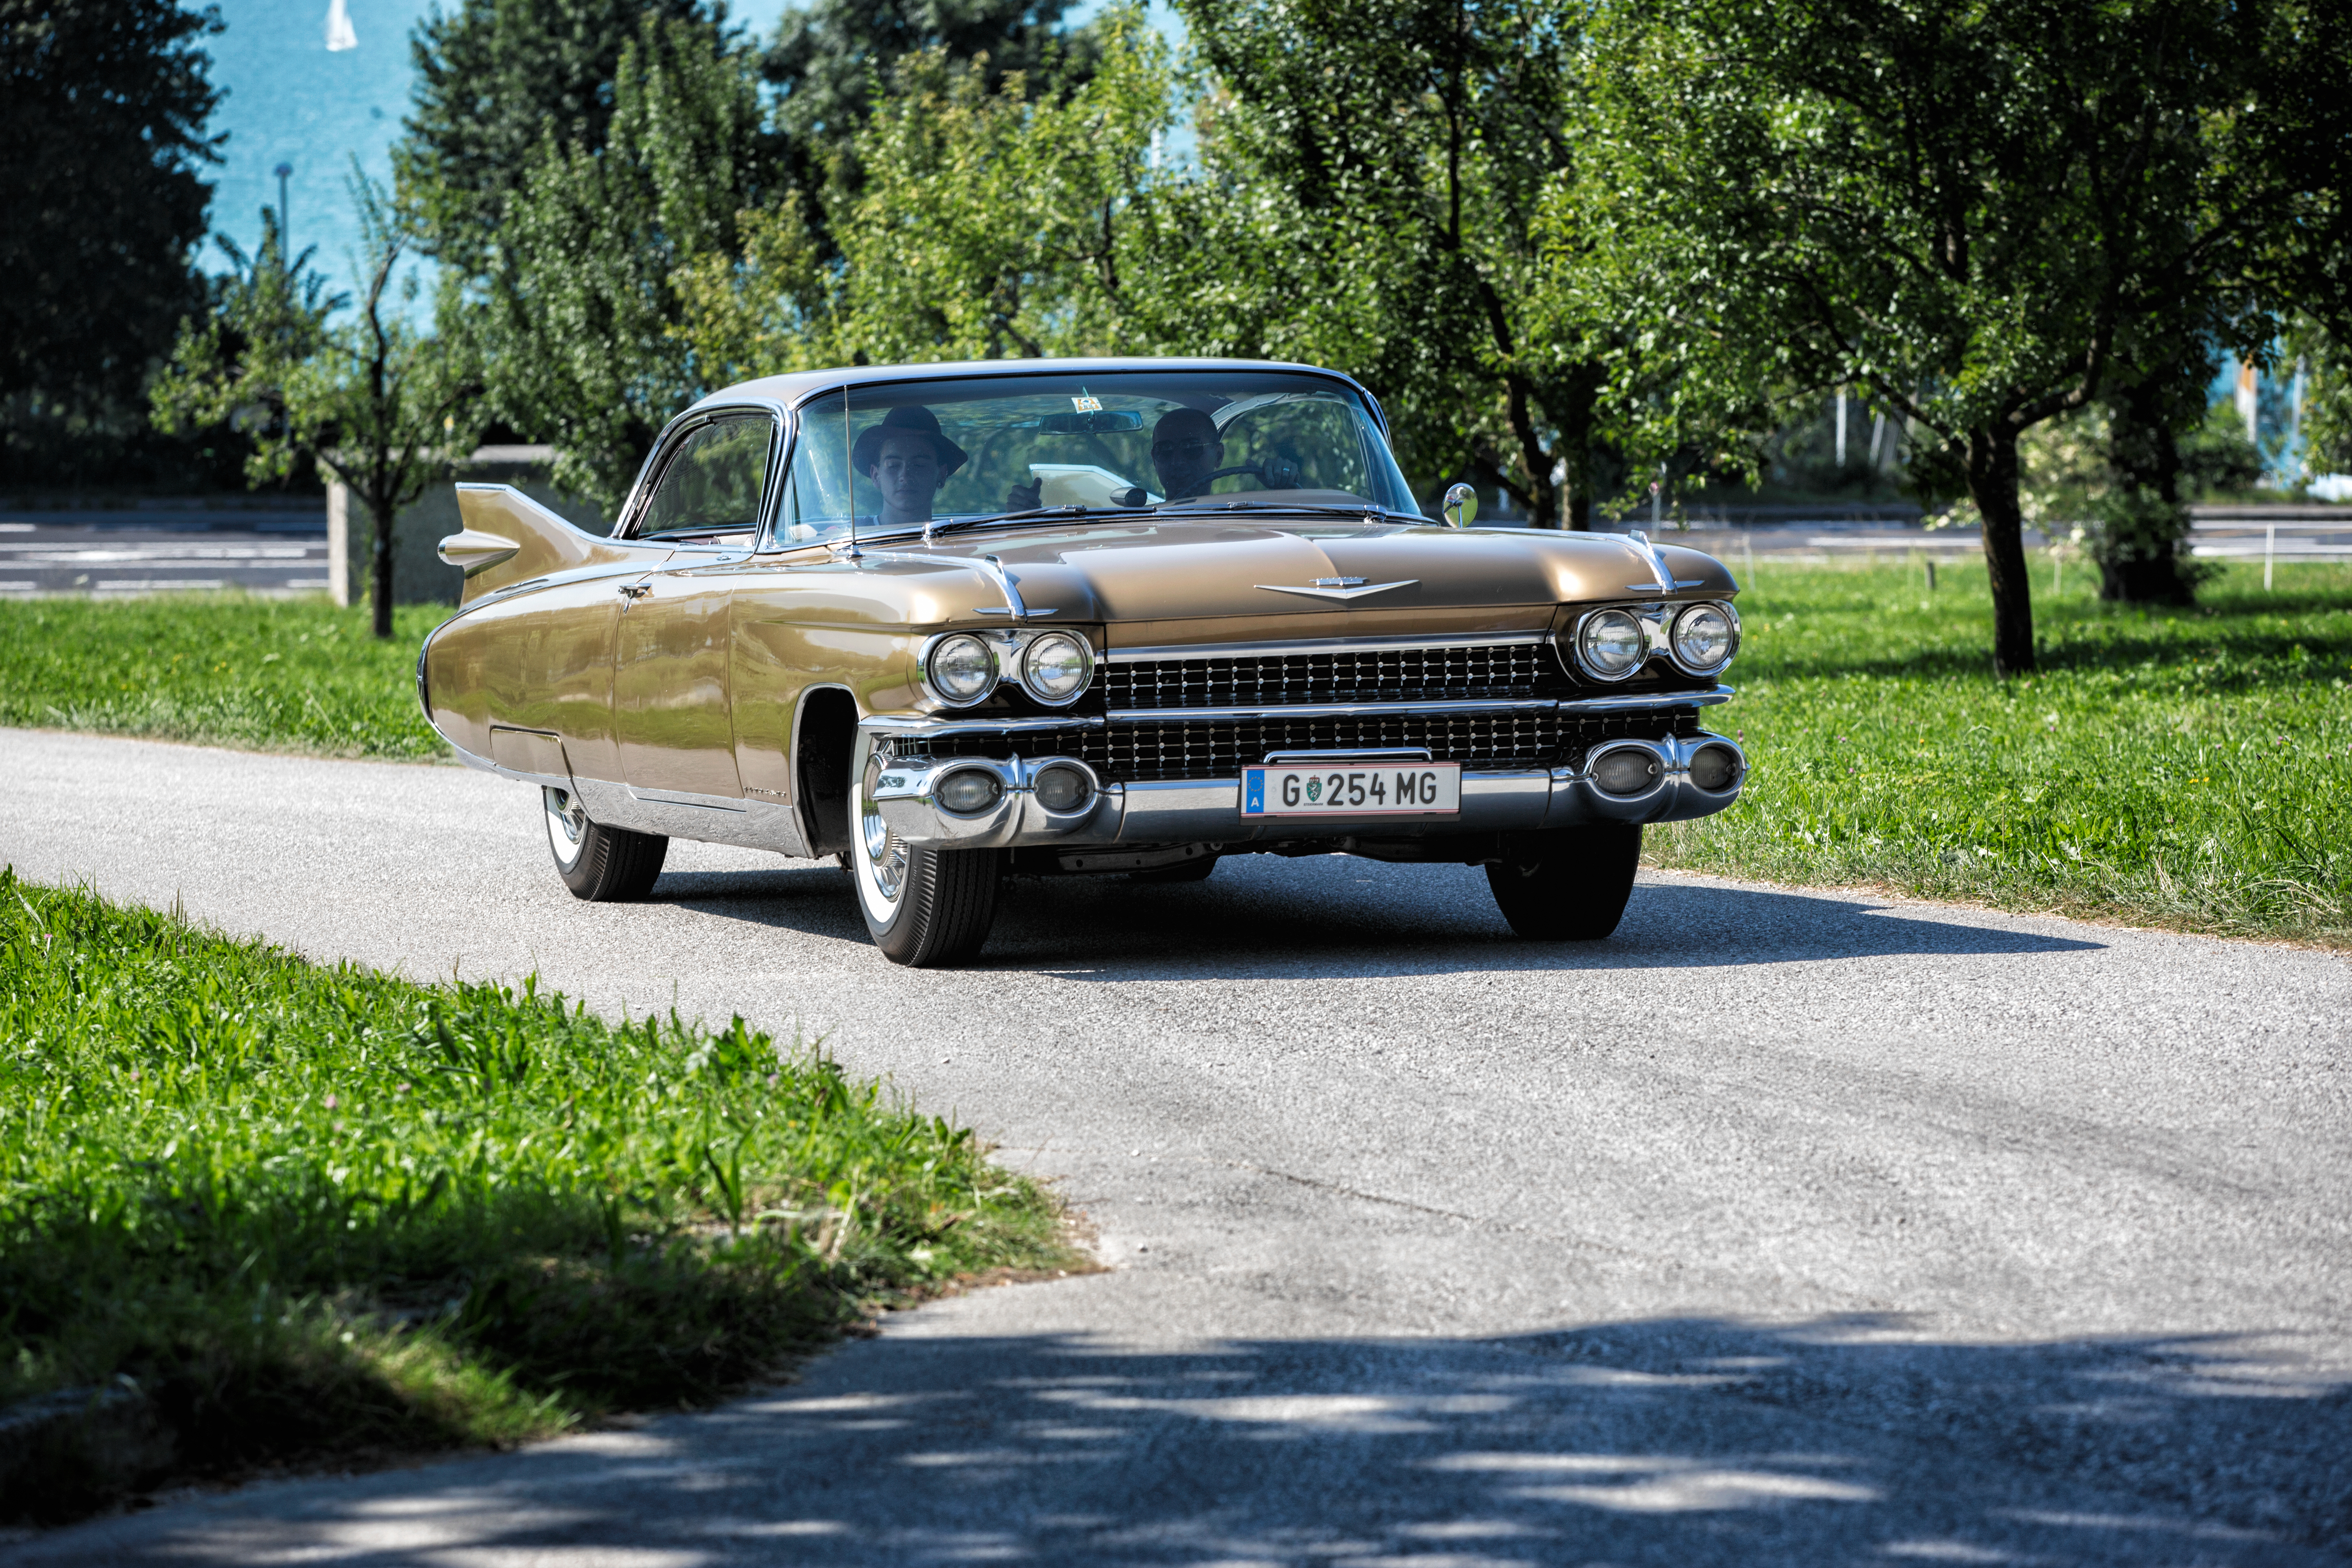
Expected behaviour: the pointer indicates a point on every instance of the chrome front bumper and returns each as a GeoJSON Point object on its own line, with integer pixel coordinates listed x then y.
{"type": "Point", "coordinates": [1208, 811]}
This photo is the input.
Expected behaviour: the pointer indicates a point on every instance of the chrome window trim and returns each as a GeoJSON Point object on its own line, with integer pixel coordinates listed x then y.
{"type": "Point", "coordinates": [625, 524]}
{"type": "Point", "coordinates": [1320, 645]}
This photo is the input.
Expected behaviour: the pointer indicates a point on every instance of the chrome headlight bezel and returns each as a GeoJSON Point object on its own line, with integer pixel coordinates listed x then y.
{"type": "Point", "coordinates": [1731, 646]}
{"type": "Point", "coordinates": [1036, 688]}
{"type": "Point", "coordinates": [1589, 624]}
{"type": "Point", "coordinates": [939, 690]}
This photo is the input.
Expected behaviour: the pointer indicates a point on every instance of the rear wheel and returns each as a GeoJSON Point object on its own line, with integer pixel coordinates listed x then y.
{"type": "Point", "coordinates": [927, 908]}
{"type": "Point", "coordinates": [602, 865]}
{"type": "Point", "coordinates": [1567, 884]}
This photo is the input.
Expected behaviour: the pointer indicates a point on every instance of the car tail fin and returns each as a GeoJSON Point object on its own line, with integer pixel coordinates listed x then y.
{"type": "Point", "coordinates": [509, 538]}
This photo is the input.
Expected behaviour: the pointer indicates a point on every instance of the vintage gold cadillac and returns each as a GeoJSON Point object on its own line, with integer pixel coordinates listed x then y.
{"type": "Point", "coordinates": [1071, 617]}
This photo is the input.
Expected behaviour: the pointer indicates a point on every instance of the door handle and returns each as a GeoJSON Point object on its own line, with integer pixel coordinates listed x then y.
{"type": "Point", "coordinates": [635, 590]}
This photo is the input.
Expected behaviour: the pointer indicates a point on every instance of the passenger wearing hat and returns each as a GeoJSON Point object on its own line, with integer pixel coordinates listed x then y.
{"type": "Point", "coordinates": [908, 459]}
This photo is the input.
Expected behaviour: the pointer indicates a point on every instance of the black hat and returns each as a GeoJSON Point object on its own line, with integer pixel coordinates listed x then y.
{"type": "Point", "coordinates": [913, 418]}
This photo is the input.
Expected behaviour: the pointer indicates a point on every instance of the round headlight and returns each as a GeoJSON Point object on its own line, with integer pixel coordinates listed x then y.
{"type": "Point", "coordinates": [1610, 644]}
{"type": "Point", "coordinates": [962, 669]}
{"type": "Point", "coordinates": [969, 790]}
{"type": "Point", "coordinates": [1056, 666]}
{"type": "Point", "coordinates": [1705, 638]}
{"type": "Point", "coordinates": [1714, 768]}
{"type": "Point", "coordinates": [1063, 789]}
{"type": "Point", "coordinates": [1631, 771]}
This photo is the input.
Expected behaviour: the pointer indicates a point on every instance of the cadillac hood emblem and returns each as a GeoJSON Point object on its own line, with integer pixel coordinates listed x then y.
{"type": "Point", "coordinates": [1337, 587]}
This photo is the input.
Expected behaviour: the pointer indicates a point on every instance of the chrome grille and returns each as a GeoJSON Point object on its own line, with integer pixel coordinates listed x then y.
{"type": "Point", "coordinates": [1354, 675]}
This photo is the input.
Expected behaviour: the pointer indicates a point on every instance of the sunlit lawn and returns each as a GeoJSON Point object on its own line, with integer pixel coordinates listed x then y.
{"type": "Point", "coordinates": [2182, 767]}
{"type": "Point", "coordinates": [2190, 768]}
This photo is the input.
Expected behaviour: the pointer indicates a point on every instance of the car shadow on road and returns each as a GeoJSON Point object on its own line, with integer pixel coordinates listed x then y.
{"type": "Point", "coordinates": [1343, 917]}
{"type": "Point", "coordinates": [1673, 1441]}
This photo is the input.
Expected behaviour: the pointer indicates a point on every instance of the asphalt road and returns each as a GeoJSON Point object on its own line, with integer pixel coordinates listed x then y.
{"type": "Point", "coordinates": [157, 550]}
{"type": "Point", "coordinates": [1786, 1227]}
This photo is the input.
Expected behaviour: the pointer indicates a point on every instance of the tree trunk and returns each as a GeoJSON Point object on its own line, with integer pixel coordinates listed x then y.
{"type": "Point", "coordinates": [1992, 485]}
{"type": "Point", "coordinates": [2145, 453]}
{"type": "Point", "coordinates": [380, 569]}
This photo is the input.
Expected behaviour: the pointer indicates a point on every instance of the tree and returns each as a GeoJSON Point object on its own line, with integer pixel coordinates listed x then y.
{"type": "Point", "coordinates": [1976, 212]}
{"type": "Point", "coordinates": [831, 58]}
{"type": "Point", "coordinates": [991, 223]}
{"type": "Point", "coordinates": [369, 401]}
{"type": "Point", "coordinates": [103, 111]}
{"type": "Point", "coordinates": [576, 323]}
{"type": "Point", "coordinates": [494, 78]}
{"type": "Point", "coordinates": [1388, 159]}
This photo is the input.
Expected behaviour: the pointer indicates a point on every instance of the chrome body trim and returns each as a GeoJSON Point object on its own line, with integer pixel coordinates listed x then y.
{"type": "Point", "coordinates": [1208, 811]}
{"type": "Point", "coordinates": [1576, 799]}
{"type": "Point", "coordinates": [917, 726]}
{"type": "Point", "coordinates": [747, 824]}
{"type": "Point", "coordinates": [545, 781]}
{"type": "Point", "coordinates": [1625, 701]}
{"type": "Point", "coordinates": [1663, 581]}
{"type": "Point", "coordinates": [1370, 755]}
{"type": "Point", "coordinates": [1324, 645]}
{"type": "Point", "coordinates": [1333, 709]}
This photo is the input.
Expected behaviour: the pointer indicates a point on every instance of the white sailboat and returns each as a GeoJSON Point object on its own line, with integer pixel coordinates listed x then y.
{"type": "Point", "coordinates": [340, 35]}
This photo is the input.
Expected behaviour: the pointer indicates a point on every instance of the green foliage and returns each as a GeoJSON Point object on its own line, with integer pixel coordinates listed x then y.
{"type": "Point", "coordinates": [834, 59]}
{"type": "Point", "coordinates": [281, 675]}
{"type": "Point", "coordinates": [102, 111]}
{"type": "Point", "coordinates": [2174, 767]}
{"type": "Point", "coordinates": [372, 401]}
{"type": "Point", "coordinates": [2327, 399]}
{"type": "Point", "coordinates": [311, 1210]}
{"type": "Point", "coordinates": [494, 78]}
{"type": "Point", "coordinates": [575, 324]}
{"type": "Point", "coordinates": [990, 222]}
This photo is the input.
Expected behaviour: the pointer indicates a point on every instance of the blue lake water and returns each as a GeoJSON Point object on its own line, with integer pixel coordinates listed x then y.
{"type": "Point", "coordinates": [291, 100]}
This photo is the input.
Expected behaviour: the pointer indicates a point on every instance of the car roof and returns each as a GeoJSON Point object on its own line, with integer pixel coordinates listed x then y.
{"type": "Point", "coordinates": [796, 388]}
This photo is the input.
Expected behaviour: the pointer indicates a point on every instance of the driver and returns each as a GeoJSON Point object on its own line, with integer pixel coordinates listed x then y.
{"type": "Point", "coordinates": [908, 459]}
{"type": "Point", "coordinates": [1187, 448]}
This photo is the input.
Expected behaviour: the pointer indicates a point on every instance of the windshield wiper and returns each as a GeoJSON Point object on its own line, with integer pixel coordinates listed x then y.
{"type": "Point", "coordinates": [1040, 514]}
{"type": "Point", "coordinates": [1365, 512]}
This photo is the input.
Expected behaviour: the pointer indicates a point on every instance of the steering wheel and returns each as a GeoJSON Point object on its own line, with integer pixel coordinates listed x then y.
{"type": "Point", "coordinates": [1283, 475]}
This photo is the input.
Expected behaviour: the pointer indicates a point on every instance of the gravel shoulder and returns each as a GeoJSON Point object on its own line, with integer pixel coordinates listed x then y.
{"type": "Point", "coordinates": [1785, 1226]}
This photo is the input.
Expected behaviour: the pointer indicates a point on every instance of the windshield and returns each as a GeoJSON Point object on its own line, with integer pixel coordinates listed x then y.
{"type": "Point", "coordinates": [940, 452]}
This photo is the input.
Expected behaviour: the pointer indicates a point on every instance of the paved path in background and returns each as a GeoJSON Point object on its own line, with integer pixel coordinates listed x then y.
{"type": "Point", "coordinates": [160, 549]}
{"type": "Point", "coordinates": [1786, 1227]}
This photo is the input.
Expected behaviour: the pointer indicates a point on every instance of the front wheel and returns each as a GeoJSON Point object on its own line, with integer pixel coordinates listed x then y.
{"type": "Point", "coordinates": [602, 865]}
{"type": "Point", "coordinates": [1567, 884]}
{"type": "Point", "coordinates": [927, 908]}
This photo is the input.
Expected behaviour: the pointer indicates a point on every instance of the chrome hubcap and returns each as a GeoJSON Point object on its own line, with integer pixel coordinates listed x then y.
{"type": "Point", "coordinates": [886, 857]}
{"type": "Point", "coordinates": [567, 823]}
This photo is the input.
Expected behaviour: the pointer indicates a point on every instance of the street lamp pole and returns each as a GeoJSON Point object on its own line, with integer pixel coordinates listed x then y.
{"type": "Point", "coordinates": [284, 171]}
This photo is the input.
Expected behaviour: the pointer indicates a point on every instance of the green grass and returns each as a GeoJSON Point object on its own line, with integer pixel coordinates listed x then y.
{"type": "Point", "coordinates": [315, 1212]}
{"type": "Point", "coordinates": [281, 675]}
{"type": "Point", "coordinates": [2184, 768]}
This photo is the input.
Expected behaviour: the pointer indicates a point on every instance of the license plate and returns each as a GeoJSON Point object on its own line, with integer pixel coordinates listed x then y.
{"type": "Point", "coordinates": [1341, 790]}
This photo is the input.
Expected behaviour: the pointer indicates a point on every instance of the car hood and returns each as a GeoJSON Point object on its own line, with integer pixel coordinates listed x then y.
{"type": "Point", "coordinates": [1167, 572]}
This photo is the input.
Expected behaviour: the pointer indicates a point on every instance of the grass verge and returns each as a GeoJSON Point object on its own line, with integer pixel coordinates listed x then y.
{"type": "Point", "coordinates": [257, 1211]}
{"type": "Point", "coordinates": [2183, 768]}
{"type": "Point", "coordinates": [279, 674]}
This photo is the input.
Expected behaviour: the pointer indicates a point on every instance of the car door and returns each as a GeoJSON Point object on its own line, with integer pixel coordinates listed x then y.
{"type": "Point", "coordinates": [670, 716]}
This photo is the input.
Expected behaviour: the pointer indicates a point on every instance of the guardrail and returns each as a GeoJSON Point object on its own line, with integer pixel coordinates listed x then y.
{"type": "Point", "coordinates": [2238, 542]}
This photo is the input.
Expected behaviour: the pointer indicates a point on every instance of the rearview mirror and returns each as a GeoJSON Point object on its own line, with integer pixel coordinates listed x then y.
{"type": "Point", "coordinates": [1091, 423]}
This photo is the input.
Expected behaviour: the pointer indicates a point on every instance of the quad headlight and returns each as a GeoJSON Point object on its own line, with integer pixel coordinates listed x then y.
{"type": "Point", "coordinates": [1610, 644]}
{"type": "Point", "coordinates": [1056, 666]}
{"type": "Point", "coordinates": [962, 669]}
{"type": "Point", "coordinates": [1705, 638]}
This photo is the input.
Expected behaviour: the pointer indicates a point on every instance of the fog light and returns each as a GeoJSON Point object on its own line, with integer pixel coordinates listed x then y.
{"type": "Point", "coordinates": [1063, 789]}
{"type": "Point", "coordinates": [1628, 771]}
{"type": "Point", "coordinates": [967, 790]}
{"type": "Point", "coordinates": [1714, 768]}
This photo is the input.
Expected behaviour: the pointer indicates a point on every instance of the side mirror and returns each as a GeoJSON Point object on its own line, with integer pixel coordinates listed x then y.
{"type": "Point", "coordinates": [1461, 507]}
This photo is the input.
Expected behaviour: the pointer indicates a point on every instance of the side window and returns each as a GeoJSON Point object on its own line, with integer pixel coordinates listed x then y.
{"type": "Point", "coordinates": [714, 480]}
